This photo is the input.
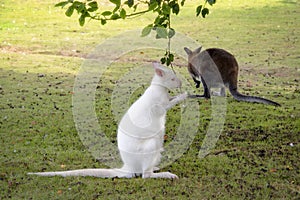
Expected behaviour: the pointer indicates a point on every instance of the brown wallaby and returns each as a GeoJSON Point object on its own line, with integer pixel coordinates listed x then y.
{"type": "Point", "coordinates": [217, 68]}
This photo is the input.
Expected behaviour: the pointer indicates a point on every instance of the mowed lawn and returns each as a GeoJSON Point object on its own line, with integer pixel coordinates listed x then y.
{"type": "Point", "coordinates": [256, 156]}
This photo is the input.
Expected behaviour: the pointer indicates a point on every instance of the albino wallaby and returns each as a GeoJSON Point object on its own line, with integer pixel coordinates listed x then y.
{"type": "Point", "coordinates": [217, 68]}
{"type": "Point", "coordinates": [140, 132]}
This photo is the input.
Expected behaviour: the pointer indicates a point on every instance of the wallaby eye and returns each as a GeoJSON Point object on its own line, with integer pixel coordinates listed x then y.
{"type": "Point", "coordinates": [173, 79]}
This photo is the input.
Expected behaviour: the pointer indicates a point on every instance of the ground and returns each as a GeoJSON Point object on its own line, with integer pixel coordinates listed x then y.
{"type": "Point", "coordinates": [256, 156]}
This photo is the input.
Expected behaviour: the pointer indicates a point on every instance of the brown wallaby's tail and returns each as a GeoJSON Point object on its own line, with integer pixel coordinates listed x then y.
{"type": "Point", "coordinates": [240, 97]}
{"type": "Point", "coordinates": [102, 173]}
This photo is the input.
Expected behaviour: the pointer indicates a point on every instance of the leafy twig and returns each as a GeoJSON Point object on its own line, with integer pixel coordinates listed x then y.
{"type": "Point", "coordinates": [161, 25]}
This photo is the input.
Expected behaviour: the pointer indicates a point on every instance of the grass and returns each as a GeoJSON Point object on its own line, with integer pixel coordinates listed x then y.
{"type": "Point", "coordinates": [256, 157]}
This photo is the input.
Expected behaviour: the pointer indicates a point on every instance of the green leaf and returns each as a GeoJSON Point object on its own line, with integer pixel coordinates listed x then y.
{"type": "Point", "coordinates": [106, 13]}
{"type": "Point", "coordinates": [130, 3]}
{"type": "Point", "coordinates": [115, 16]}
{"type": "Point", "coordinates": [82, 19]}
{"type": "Point", "coordinates": [116, 2]}
{"type": "Point", "coordinates": [92, 9]}
{"type": "Point", "coordinates": [161, 21]}
{"type": "Point", "coordinates": [80, 7]}
{"type": "Point", "coordinates": [61, 4]}
{"type": "Point", "coordinates": [211, 2]}
{"type": "Point", "coordinates": [168, 62]}
{"type": "Point", "coordinates": [175, 8]}
{"type": "Point", "coordinates": [163, 60]}
{"type": "Point", "coordinates": [204, 12]}
{"type": "Point", "coordinates": [77, 3]}
{"type": "Point", "coordinates": [152, 5]}
{"type": "Point", "coordinates": [103, 21]}
{"type": "Point", "coordinates": [161, 32]}
{"type": "Point", "coordinates": [171, 57]}
{"type": "Point", "coordinates": [146, 31]}
{"type": "Point", "coordinates": [198, 10]}
{"type": "Point", "coordinates": [93, 6]}
{"type": "Point", "coordinates": [171, 33]}
{"type": "Point", "coordinates": [182, 2]}
{"type": "Point", "coordinates": [166, 9]}
{"type": "Point", "coordinates": [69, 11]}
{"type": "Point", "coordinates": [123, 13]}
{"type": "Point", "coordinates": [116, 8]}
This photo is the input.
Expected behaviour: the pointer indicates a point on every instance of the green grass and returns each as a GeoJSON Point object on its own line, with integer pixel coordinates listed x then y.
{"type": "Point", "coordinates": [41, 51]}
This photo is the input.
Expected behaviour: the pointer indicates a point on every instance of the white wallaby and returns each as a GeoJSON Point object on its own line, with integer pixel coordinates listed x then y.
{"type": "Point", "coordinates": [140, 132]}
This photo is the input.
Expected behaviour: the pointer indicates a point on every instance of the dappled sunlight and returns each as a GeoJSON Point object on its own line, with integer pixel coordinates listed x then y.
{"type": "Point", "coordinates": [24, 62]}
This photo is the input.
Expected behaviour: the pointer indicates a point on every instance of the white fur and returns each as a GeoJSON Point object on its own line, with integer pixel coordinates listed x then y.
{"type": "Point", "coordinates": [140, 132]}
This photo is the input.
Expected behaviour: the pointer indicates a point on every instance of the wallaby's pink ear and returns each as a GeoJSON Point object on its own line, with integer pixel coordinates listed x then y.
{"type": "Point", "coordinates": [158, 69]}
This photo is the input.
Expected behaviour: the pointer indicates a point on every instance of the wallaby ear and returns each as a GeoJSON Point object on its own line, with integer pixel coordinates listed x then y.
{"type": "Point", "coordinates": [158, 70]}
{"type": "Point", "coordinates": [188, 51]}
{"type": "Point", "coordinates": [198, 49]}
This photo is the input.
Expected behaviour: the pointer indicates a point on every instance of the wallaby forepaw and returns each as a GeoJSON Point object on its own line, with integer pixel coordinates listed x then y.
{"type": "Point", "coordinates": [183, 96]}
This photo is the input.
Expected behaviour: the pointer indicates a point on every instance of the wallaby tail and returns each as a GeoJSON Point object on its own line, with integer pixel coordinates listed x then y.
{"type": "Point", "coordinates": [240, 97]}
{"type": "Point", "coordinates": [102, 173]}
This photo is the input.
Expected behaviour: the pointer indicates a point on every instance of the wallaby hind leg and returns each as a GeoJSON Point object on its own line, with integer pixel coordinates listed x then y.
{"type": "Point", "coordinates": [223, 93]}
{"type": "Point", "coordinates": [220, 92]}
{"type": "Point", "coordinates": [206, 89]}
{"type": "Point", "coordinates": [216, 92]}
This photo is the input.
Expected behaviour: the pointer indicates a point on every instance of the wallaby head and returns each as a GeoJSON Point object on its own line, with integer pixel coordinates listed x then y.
{"type": "Point", "coordinates": [191, 68]}
{"type": "Point", "coordinates": [165, 77]}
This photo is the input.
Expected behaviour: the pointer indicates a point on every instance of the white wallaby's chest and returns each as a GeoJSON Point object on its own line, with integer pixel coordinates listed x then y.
{"type": "Point", "coordinates": [143, 125]}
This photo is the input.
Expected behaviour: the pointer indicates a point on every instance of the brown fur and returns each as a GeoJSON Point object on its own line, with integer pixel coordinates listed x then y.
{"type": "Point", "coordinates": [218, 68]}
